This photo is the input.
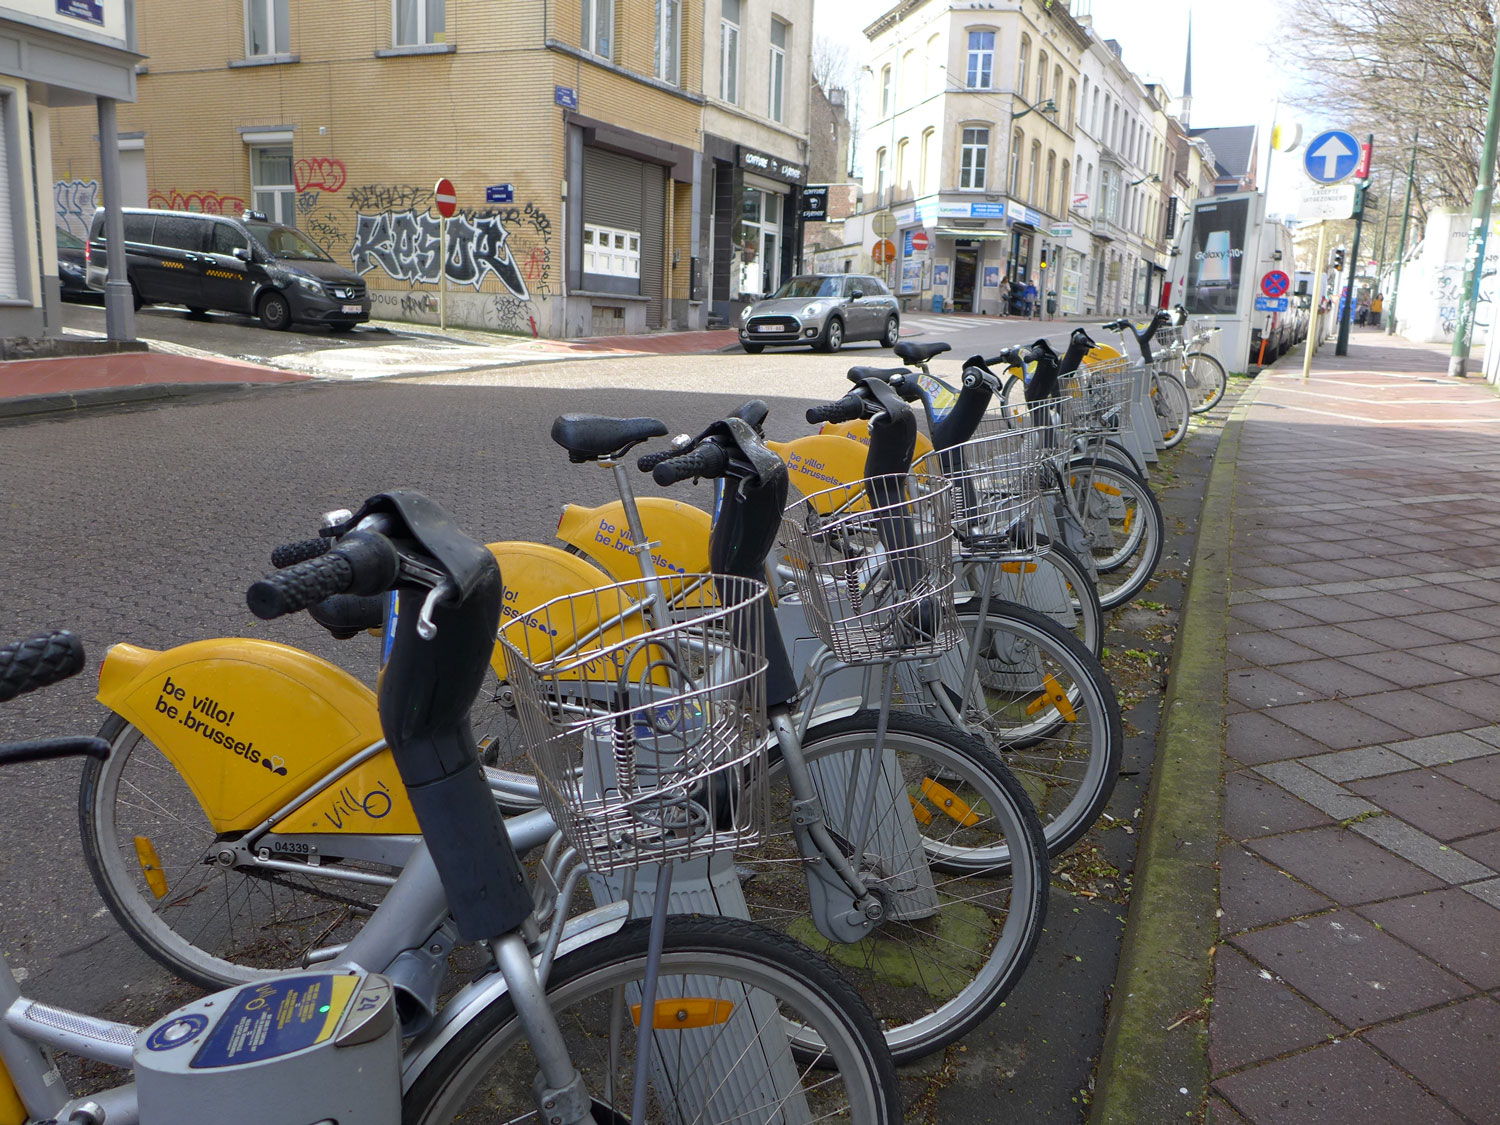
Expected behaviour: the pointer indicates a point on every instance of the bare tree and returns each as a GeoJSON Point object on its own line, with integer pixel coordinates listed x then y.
{"type": "Point", "coordinates": [833, 66]}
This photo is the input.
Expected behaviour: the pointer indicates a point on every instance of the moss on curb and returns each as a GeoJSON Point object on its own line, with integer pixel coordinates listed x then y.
{"type": "Point", "coordinates": [1154, 1064]}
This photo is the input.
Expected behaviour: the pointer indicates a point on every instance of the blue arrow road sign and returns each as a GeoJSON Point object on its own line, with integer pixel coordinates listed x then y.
{"type": "Point", "coordinates": [1331, 157]}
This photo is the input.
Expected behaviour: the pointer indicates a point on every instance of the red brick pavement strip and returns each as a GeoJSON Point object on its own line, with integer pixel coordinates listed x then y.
{"type": "Point", "coordinates": [1361, 878]}
{"type": "Point", "coordinates": [25, 378]}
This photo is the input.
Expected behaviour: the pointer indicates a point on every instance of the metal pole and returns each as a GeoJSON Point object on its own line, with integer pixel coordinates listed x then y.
{"type": "Point", "coordinates": [1479, 227]}
{"type": "Point", "coordinates": [1347, 316]}
{"type": "Point", "coordinates": [1320, 271]}
{"type": "Point", "coordinates": [443, 274]}
{"type": "Point", "coordinates": [119, 301]}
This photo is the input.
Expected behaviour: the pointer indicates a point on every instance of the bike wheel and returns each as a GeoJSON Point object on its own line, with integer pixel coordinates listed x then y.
{"type": "Point", "coordinates": [1206, 381]}
{"type": "Point", "coordinates": [1055, 584]}
{"type": "Point", "coordinates": [213, 923]}
{"type": "Point", "coordinates": [1172, 404]}
{"type": "Point", "coordinates": [772, 989]}
{"type": "Point", "coordinates": [954, 851]}
{"type": "Point", "coordinates": [1123, 524]}
{"type": "Point", "coordinates": [1046, 704]}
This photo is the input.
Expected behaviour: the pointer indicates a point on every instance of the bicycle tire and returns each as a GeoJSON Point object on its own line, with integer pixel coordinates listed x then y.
{"type": "Point", "coordinates": [1206, 380]}
{"type": "Point", "coordinates": [1173, 407]}
{"type": "Point", "coordinates": [1124, 526]}
{"type": "Point", "coordinates": [929, 980]}
{"type": "Point", "coordinates": [1050, 711]}
{"type": "Point", "coordinates": [738, 957]}
{"type": "Point", "coordinates": [1082, 617]}
{"type": "Point", "coordinates": [213, 925]}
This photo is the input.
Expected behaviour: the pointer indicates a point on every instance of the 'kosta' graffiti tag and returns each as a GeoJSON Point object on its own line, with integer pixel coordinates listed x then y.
{"type": "Point", "coordinates": [405, 244]}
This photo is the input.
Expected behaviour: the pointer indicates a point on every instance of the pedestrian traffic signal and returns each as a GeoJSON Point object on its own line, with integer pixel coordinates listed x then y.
{"type": "Point", "coordinates": [1338, 259]}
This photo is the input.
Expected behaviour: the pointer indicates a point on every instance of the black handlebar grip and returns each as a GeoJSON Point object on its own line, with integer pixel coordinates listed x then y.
{"type": "Point", "coordinates": [290, 554]}
{"type": "Point", "coordinates": [708, 460]}
{"type": "Point", "coordinates": [846, 409]}
{"type": "Point", "coordinates": [39, 661]}
{"type": "Point", "coordinates": [300, 586]}
{"type": "Point", "coordinates": [648, 461]}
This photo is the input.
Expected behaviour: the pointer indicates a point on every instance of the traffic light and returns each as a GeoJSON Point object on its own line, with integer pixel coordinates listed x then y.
{"type": "Point", "coordinates": [1338, 260]}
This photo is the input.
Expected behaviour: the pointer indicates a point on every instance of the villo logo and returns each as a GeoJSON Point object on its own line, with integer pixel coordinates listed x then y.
{"type": "Point", "coordinates": [1205, 255]}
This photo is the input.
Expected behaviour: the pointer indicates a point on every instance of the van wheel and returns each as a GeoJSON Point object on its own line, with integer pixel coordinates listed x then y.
{"type": "Point", "coordinates": [274, 311]}
{"type": "Point", "coordinates": [196, 313]}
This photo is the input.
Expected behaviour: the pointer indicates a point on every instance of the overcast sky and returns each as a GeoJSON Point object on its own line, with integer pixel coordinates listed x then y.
{"type": "Point", "coordinates": [1236, 75]}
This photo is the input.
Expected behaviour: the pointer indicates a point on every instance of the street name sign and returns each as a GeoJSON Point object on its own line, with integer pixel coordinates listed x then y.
{"type": "Point", "coordinates": [500, 193]}
{"type": "Point", "coordinates": [1331, 157]}
{"type": "Point", "coordinates": [1335, 201]}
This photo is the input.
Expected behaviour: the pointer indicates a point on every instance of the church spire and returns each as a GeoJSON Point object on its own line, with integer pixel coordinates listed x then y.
{"type": "Point", "coordinates": [1187, 73]}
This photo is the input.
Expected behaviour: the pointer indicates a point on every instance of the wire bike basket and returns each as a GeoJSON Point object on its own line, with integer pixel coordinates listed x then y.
{"type": "Point", "coordinates": [647, 730]}
{"type": "Point", "coordinates": [997, 488]}
{"type": "Point", "coordinates": [873, 563]}
{"type": "Point", "coordinates": [1099, 395]}
{"type": "Point", "coordinates": [1168, 336]}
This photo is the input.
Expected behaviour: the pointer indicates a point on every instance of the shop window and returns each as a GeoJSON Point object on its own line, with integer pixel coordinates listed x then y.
{"type": "Point", "coordinates": [611, 251]}
{"type": "Point", "coordinates": [268, 27]}
{"type": "Point", "coordinates": [271, 183]}
{"type": "Point", "coordinates": [419, 22]}
{"type": "Point", "coordinates": [599, 27]}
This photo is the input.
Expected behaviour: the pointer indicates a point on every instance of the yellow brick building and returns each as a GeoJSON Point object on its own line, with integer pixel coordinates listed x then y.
{"type": "Point", "coordinates": [573, 132]}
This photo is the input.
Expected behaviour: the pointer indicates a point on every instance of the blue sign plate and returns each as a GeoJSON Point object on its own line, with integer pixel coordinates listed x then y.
{"type": "Point", "coordinates": [1270, 304]}
{"type": "Point", "coordinates": [565, 96]}
{"type": "Point", "coordinates": [1331, 157]}
{"type": "Point", "coordinates": [500, 193]}
{"type": "Point", "coordinates": [91, 10]}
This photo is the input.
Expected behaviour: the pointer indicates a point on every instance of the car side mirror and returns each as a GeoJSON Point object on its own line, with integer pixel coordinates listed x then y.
{"type": "Point", "coordinates": [244, 253]}
{"type": "Point", "coordinates": [856, 295]}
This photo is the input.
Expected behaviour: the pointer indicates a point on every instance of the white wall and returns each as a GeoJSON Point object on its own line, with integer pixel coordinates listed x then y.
{"type": "Point", "coordinates": [1427, 304]}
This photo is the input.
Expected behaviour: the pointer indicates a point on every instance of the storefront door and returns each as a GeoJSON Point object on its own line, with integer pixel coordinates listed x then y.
{"type": "Point", "coordinates": [965, 276]}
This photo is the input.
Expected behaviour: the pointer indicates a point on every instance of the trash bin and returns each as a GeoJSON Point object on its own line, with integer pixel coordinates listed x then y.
{"type": "Point", "coordinates": [937, 302]}
{"type": "Point", "coordinates": [1052, 302]}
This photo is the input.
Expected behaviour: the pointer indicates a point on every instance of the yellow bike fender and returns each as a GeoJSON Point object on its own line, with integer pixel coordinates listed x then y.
{"type": "Point", "coordinates": [534, 574]}
{"type": "Point", "coordinates": [603, 535]}
{"type": "Point", "coordinates": [859, 430]}
{"type": "Point", "coordinates": [248, 724]}
{"type": "Point", "coordinates": [1101, 352]}
{"type": "Point", "coordinates": [819, 462]}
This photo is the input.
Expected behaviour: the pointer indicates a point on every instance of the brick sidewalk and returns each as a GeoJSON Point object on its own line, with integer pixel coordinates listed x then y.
{"type": "Point", "coordinates": [24, 378]}
{"type": "Point", "coordinates": [1360, 880]}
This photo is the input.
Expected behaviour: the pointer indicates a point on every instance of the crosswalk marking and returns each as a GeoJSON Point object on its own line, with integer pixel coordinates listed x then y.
{"type": "Point", "coordinates": [940, 324]}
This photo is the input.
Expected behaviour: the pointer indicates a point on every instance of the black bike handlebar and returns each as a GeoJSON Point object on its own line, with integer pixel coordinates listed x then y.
{"type": "Point", "coordinates": [362, 563]}
{"type": "Point", "coordinates": [39, 661]}
{"type": "Point", "coordinates": [707, 461]}
{"type": "Point", "coordinates": [290, 554]}
{"type": "Point", "coordinates": [648, 461]}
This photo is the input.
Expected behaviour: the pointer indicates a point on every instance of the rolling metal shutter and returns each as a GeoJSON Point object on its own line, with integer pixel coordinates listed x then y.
{"type": "Point", "coordinates": [653, 240]}
{"type": "Point", "coordinates": [630, 194]}
{"type": "Point", "coordinates": [9, 282]}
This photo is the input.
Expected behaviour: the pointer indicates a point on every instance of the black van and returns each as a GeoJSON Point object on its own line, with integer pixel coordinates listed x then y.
{"type": "Point", "coordinates": [245, 265]}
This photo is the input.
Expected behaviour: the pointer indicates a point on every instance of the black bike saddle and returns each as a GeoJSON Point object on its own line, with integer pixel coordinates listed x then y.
{"type": "Point", "coordinates": [908, 352]}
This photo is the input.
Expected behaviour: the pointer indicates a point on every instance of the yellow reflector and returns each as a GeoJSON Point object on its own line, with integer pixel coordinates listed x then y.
{"type": "Point", "coordinates": [1129, 519]}
{"type": "Point", "coordinates": [1107, 489]}
{"type": "Point", "coordinates": [1052, 693]}
{"type": "Point", "coordinates": [145, 851]}
{"type": "Point", "coordinates": [1016, 568]}
{"type": "Point", "coordinates": [922, 815]}
{"type": "Point", "coordinates": [686, 1011]}
{"type": "Point", "coordinates": [950, 802]}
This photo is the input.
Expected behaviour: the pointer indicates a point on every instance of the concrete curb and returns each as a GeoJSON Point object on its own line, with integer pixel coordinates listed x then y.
{"type": "Point", "coordinates": [30, 407]}
{"type": "Point", "coordinates": [1154, 1063]}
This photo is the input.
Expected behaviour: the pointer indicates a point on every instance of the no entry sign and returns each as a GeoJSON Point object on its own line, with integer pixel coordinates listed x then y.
{"type": "Point", "coordinates": [919, 240]}
{"type": "Point", "coordinates": [447, 197]}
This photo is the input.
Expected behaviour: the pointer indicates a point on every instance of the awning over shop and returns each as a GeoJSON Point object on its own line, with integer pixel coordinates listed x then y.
{"type": "Point", "coordinates": [959, 232]}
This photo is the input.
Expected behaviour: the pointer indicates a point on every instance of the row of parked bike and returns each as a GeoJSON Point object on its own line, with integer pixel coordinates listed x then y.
{"type": "Point", "coordinates": [745, 806]}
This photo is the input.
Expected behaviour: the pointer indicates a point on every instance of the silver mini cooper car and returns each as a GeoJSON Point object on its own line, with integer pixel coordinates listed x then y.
{"type": "Point", "coordinates": [825, 310]}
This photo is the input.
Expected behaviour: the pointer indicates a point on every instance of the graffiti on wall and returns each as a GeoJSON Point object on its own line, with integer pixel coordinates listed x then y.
{"type": "Point", "coordinates": [74, 201]}
{"type": "Point", "coordinates": [407, 246]}
{"type": "Point", "coordinates": [208, 202]}
{"type": "Point", "coordinates": [1450, 281]}
{"type": "Point", "coordinates": [321, 172]}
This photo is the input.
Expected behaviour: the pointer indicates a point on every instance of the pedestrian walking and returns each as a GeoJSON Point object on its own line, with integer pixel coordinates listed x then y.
{"type": "Point", "coordinates": [1377, 306]}
{"type": "Point", "coordinates": [1362, 311]}
{"type": "Point", "coordinates": [1028, 300]}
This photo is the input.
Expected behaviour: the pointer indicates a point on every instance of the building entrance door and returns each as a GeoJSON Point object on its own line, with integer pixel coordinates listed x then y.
{"type": "Point", "coordinates": [965, 275]}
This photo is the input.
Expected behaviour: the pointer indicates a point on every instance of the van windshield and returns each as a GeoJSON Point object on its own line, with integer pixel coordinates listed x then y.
{"type": "Point", "coordinates": [287, 242]}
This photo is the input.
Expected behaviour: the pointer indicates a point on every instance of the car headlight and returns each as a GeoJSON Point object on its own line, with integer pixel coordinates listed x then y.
{"type": "Point", "coordinates": [745, 312]}
{"type": "Point", "coordinates": [311, 284]}
{"type": "Point", "coordinates": [813, 309]}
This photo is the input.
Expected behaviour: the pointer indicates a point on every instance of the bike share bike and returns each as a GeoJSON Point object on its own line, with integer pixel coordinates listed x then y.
{"type": "Point", "coordinates": [575, 1018]}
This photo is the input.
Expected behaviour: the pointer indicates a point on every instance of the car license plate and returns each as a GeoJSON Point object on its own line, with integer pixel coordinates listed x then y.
{"type": "Point", "coordinates": [353, 309]}
{"type": "Point", "coordinates": [766, 328]}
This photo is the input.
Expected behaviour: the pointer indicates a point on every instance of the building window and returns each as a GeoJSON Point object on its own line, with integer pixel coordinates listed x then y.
{"type": "Point", "coordinates": [667, 55]}
{"type": "Point", "coordinates": [1041, 78]}
{"type": "Point", "coordinates": [1057, 92]}
{"type": "Point", "coordinates": [599, 27]}
{"type": "Point", "coordinates": [729, 52]}
{"type": "Point", "coordinates": [610, 251]}
{"type": "Point", "coordinates": [1083, 106]}
{"type": "Point", "coordinates": [932, 62]}
{"type": "Point", "coordinates": [974, 158]}
{"type": "Point", "coordinates": [925, 180]}
{"type": "Point", "coordinates": [882, 170]}
{"type": "Point", "coordinates": [1051, 176]}
{"type": "Point", "coordinates": [419, 22]}
{"type": "Point", "coordinates": [778, 68]}
{"type": "Point", "coordinates": [1072, 99]}
{"type": "Point", "coordinates": [1021, 71]}
{"type": "Point", "coordinates": [1015, 162]}
{"type": "Point", "coordinates": [268, 27]}
{"type": "Point", "coordinates": [898, 186]}
{"type": "Point", "coordinates": [981, 69]}
{"type": "Point", "coordinates": [909, 85]}
{"type": "Point", "coordinates": [1094, 114]}
{"type": "Point", "coordinates": [885, 91]}
{"type": "Point", "coordinates": [1064, 186]}
{"type": "Point", "coordinates": [271, 184]}
{"type": "Point", "coordinates": [1033, 167]}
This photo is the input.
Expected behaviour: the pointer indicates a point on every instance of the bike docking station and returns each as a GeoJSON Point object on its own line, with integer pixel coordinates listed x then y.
{"type": "Point", "coordinates": [316, 1047]}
